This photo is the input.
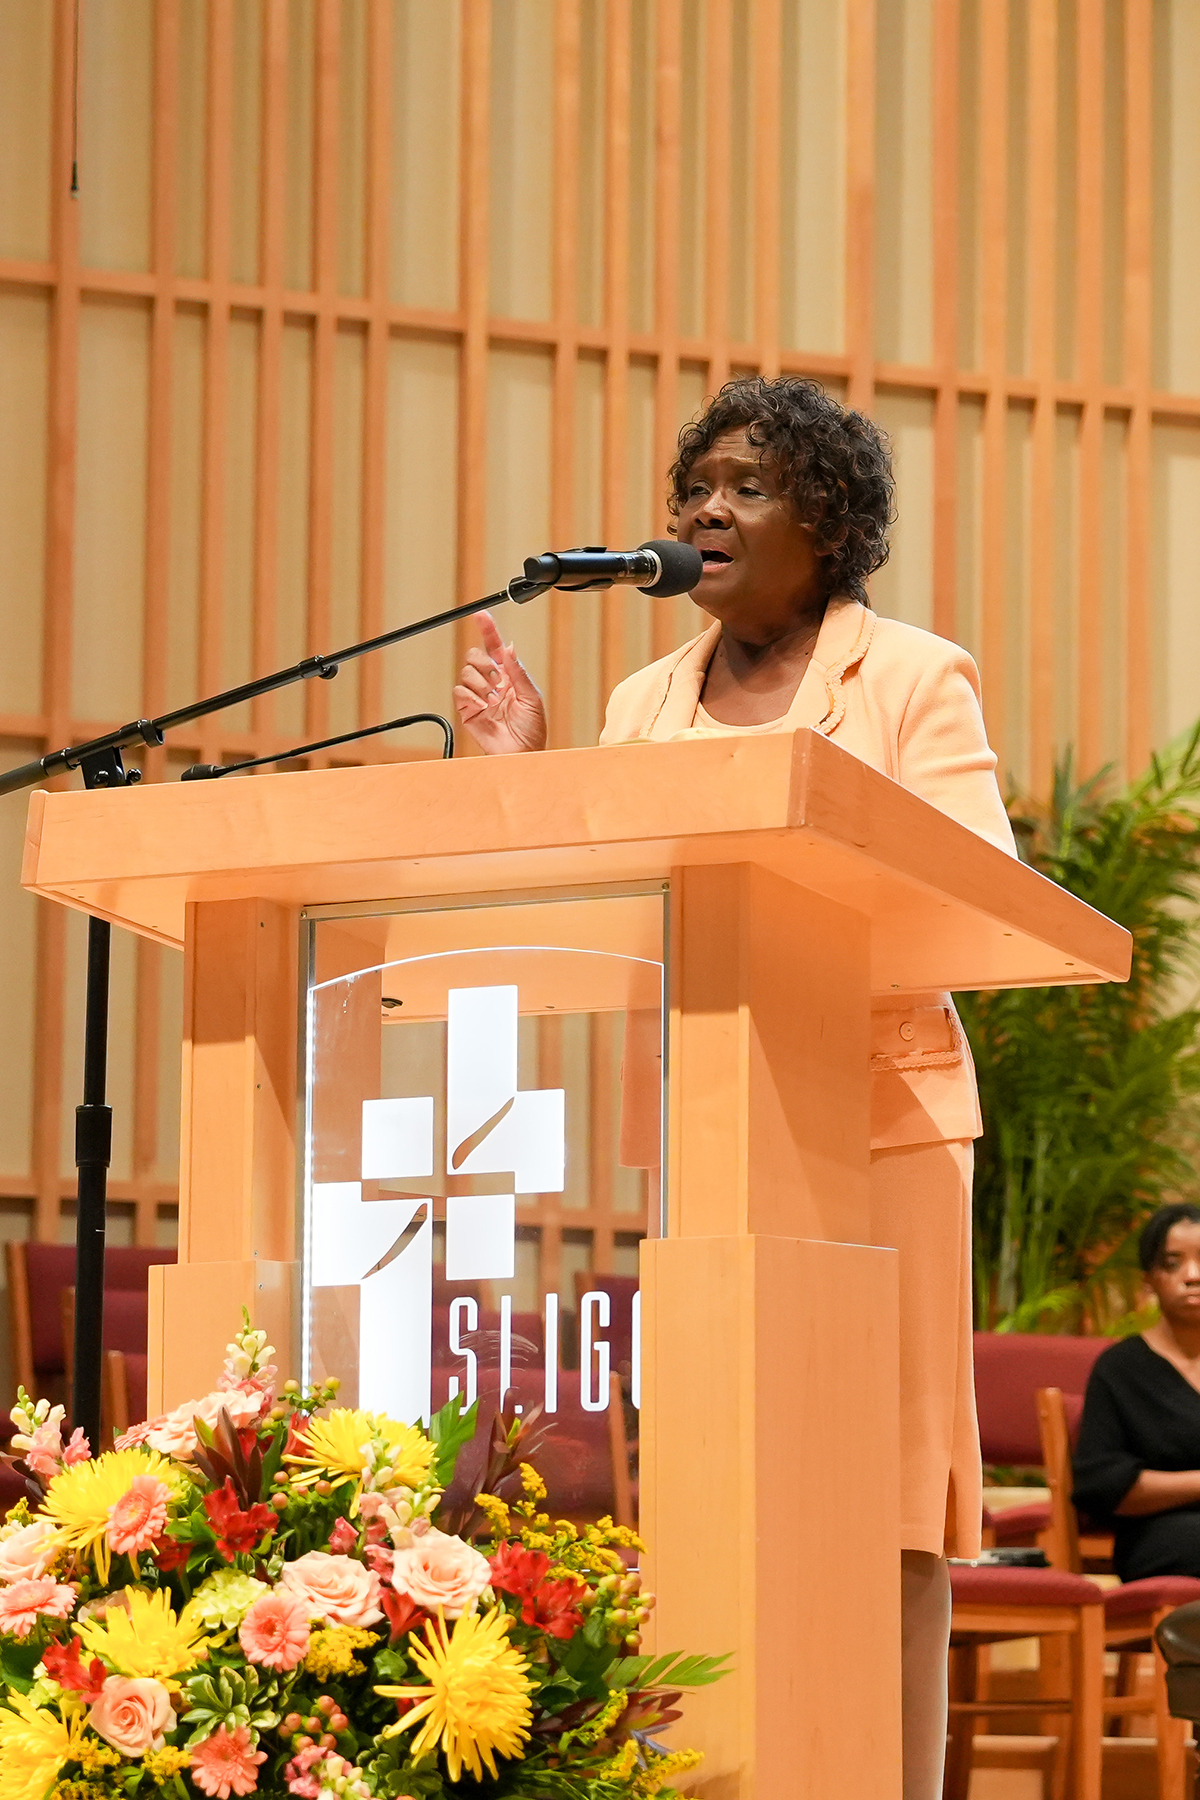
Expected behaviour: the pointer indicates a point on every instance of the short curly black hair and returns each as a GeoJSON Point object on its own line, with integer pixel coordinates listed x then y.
{"type": "Point", "coordinates": [1152, 1243]}
{"type": "Point", "coordinates": [835, 466]}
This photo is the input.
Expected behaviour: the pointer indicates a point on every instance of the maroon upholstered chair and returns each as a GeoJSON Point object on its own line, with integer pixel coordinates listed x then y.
{"type": "Point", "coordinates": [1010, 1367]}
{"type": "Point", "coordinates": [37, 1275]}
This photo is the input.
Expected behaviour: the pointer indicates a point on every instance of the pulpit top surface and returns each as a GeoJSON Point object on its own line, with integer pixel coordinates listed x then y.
{"type": "Point", "coordinates": [948, 910]}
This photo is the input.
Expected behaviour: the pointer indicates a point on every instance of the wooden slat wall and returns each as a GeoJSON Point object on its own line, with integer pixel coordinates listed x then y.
{"type": "Point", "coordinates": [1045, 170]}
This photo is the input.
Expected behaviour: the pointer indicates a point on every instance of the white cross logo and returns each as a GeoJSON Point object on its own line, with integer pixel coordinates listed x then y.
{"type": "Point", "coordinates": [385, 1247]}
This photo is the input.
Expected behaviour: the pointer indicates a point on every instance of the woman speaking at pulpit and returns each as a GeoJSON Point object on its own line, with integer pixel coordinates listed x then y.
{"type": "Point", "coordinates": [788, 498]}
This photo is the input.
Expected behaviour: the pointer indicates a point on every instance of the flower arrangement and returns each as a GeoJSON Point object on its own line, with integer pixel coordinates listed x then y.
{"type": "Point", "coordinates": [262, 1592]}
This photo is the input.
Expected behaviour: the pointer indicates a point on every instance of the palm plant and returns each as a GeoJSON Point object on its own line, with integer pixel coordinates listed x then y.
{"type": "Point", "coordinates": [1088, 1093]}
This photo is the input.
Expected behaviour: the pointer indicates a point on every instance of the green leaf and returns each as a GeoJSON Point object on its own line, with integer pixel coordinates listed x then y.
{"type": "Point", "coordinates": [451, 1429]}
{"type": "Point", "coordinates": [673, 1670]}
{"type": "Point", "coordinates": [17, 1662]}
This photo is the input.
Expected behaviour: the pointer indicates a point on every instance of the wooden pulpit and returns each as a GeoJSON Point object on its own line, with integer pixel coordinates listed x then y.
{"type": "Point", "coordinates": [366, 952]}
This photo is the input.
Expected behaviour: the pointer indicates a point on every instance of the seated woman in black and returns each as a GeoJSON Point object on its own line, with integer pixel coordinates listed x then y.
{"type": "Point", "coordinates": [1137, 1462]}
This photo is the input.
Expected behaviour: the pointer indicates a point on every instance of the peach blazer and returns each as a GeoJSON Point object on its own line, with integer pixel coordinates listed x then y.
{"type": "Point", "coordinates": [907, 703]}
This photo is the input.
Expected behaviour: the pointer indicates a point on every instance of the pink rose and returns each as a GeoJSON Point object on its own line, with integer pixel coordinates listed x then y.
{"type": "Point", "coordinates": [132, 1716]}
{"type": "Point", "coordinates": [28, 1551]}
{"type": "Point", "coordinates": [335, 1588]}
{"type": "Point", "coordinates": [437, 1570]}
{"type": "Point", "coordinates": [173, 1434]}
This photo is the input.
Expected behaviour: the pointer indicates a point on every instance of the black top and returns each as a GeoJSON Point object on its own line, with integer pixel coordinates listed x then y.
{"type": "Point", "coordinates": [1139, 1413]}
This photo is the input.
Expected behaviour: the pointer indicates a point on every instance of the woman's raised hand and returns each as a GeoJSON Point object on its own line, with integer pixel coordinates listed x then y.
{"type": "Point", "coordinates": [497, 701]}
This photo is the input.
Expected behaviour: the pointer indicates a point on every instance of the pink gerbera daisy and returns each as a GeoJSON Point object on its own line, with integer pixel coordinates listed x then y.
{"type": "Point", "coordinates": [139, 1516]}
{"type": "Point", "coordinates": [225, 1764]}
{"type": "Point", "coordinates": [22, 1602]}
{"type": "Point", "coordinates": [275, 1632]}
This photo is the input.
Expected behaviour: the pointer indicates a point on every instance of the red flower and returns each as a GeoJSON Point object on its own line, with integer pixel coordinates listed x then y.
{"type": "Point", "coordinates": [169, 1553]}
{"type": "Point", "coordinates": [64, 1664]}
{"type": "Point", "coordinates": [518, 1572]}
{"type": "Point", "coordinates": [554, 1608]}
{"type": "Point", "coordinates": [402, 1611]}
{"type": "Point", "coordinates": [235, 1530]}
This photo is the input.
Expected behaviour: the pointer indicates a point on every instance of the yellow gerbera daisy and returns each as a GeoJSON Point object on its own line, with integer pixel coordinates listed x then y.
{"type": "Point", "coordinates": [34, 1745]}
{"type": "Point", "coordinates": [148, 1639]}
{"type": "Point", "coordinates": [79, 1498]}
{"type": "Point", "coordinates": [349, 1444]}
{"type": "Point", "coordinates": [477, 1703]}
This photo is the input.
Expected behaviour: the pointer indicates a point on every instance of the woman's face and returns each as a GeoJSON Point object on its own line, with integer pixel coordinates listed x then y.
{"type": "Point", "coordinates": [1175, 1278]}
{"type": "Point", "coordinates": [762, 575]}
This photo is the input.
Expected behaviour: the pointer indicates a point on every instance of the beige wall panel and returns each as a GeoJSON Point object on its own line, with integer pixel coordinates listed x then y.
{"type": "Point", "coordinates": [121, 1020]}
{"type": "Point", "coordinates": [24, 341]}
{"type": "Point", "coordinates": [903, 588]}
{"type": "Point", "coordinates": [643, 249]}
{"type": "Point", "coordinates": [692, 225]}
{"type": "Point", "coordinates": [301, 91]}
{"type": "Point", "coordinates": [518, 490]}
{"type": "Point", "coordinates": [18, 967]}
{"type": "Point", "coordinates": [1065, 550]}
{"type": "Point", "coordinates": [246, 149]}
{"type": "Point", "coordinates": [110, 510]}
{"type": "Point", "coordinates": [1018, 476]}
{"type": "Point", "coordinates": [521, 162]}
{"type": "Point", "coordinates": [115, 74]}
{"type": "Point", "coordinates": [1177, 195]}
{"type": "Point", "coordinates": [1017, 313]}
{"type": "Point", "coordinates": [191, 136]}
{"type": "Point", "coordinates": [967, 121]}
{"type": "Point", "coordinates": [425, 151]}
{"type": "Point", "coordinates": [352, 146]}
{"type": "Point", "coordinates": [1114, 191]}
{"type": "Point", "coordinates": [291, 594]}
{"type": "Point", "coordinates": [1066, 196]}
{"type": "Point", "coordinates": [969, 535]}
{"type": "Point", "coordinates": [421, 521]}
{"type": "Point", "coordinates": [26, 77]}
{"type": "Point", "coordinates": [741, 176]}
{"type": "Point", "coordinates": [904, 182]}
{"type": "Point", "coordinates": [237, 616]}
{"type": "Point", "coordinates": [170, 1051]}
{"type": "Point", "coordinates": [166, 1228]}
{"type": "Point", "coordinates": [349, 372]}
{"type": "Point", "coordinates": [592, 114]}
{"type": "Point", "coordinates": [1176, 451]}
{"type": "Point", "coordinates": [645, 484]}
{"type": "Point", "coordinates": [587, 713]}
{"type": "Point", "coordinates": [812, 225]}
{"type": "Point", "coordinates": [1112, 597]}
{"type": "Point", "coordinates": [183, 602]}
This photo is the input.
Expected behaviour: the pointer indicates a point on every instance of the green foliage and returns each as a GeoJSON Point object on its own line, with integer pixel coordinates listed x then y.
{"type": "Point", "coordinates": [1088, 1093]}
{"type": "Point", "coordinates": [451, 1430]}
{"type": "Point", "coordinates": [673, 1670]}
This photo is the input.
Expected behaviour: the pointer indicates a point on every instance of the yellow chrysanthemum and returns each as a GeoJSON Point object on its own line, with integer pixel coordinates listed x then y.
{"type": "Point", "coordinates": [34, 1745]}
{"type": "Point", "coordinates": [79, 1498]}
{"type": "Point", "coordinates": [349, 1444]}
{"type": "Point", "coordinates": [477, 1703]}
{"type": "Point", "coordinates": [149, 1639]}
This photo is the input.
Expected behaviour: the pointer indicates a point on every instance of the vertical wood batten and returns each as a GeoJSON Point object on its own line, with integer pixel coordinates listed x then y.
{"type": "Point", "coordinates": [324, 347]}
{"type": "Point", "coordinates": [62, 402]}
{"type": "Point", "coordinates": [1043, 573]}
{"type": "Point", "coordinates": [164, 215]}
{"type": "Point", "coordinates": [993, 231]}
{"type": "Point", "coordinates": [767, 52]}
{"type": "Point", "coordinates": [272, 214]}
{"type": "Point", "coordinates": [860, 200]}
{"type": "Point", "coordinates": [474, 205]}
{"type": "Point", "coordinates": [216, 367]}
{"type": "Point", "coordinates": [378, 262]}
{"type": "Point", "coordinates": [564, 277]}
{"type": "Point", "coordinates": [615, 451]}
{"type": "Point", "coordinates": [668, 179]}
{"type": "Point", "coordinates": [945, 316]}
{"type": "Point", "coordinates": [1139, 204]}
{"type": "Point", "coordinates": [1089, 54]}
{"type": "Point", "coordinates": [718, 60]}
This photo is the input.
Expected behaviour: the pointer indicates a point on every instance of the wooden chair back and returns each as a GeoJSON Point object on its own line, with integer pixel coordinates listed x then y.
{"type": "Point", "coordinates": [1062, 1537]}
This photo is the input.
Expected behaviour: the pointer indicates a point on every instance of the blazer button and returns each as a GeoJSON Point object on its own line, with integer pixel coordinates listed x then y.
{"type": "Point", "coordinates": [908, 1031]}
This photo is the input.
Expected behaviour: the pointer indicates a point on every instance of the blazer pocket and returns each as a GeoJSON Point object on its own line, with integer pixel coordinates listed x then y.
{"type": "Point", "coordinates": [915, 1037]}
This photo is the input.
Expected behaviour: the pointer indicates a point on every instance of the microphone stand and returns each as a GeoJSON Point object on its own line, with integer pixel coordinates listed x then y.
{"type": "Point", "coordinates": [101, 765]}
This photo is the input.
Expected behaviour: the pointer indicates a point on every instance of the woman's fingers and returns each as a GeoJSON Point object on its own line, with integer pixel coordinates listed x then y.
{"type": "Point", "coordinates": [467, 705]}
{"type": "Point", "coordinates": [493, 643]}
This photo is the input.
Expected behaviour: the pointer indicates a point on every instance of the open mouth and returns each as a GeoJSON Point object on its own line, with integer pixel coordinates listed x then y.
{"type": "Point", "coordinates": [711, 558]}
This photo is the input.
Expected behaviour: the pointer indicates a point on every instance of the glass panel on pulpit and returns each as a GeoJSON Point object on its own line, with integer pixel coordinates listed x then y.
{"type": "Point", "coordinates": [484, 1151]}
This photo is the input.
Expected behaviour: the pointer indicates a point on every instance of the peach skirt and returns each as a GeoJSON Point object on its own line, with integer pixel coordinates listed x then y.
{"type": "Point", "coordinates": [921, 1206]}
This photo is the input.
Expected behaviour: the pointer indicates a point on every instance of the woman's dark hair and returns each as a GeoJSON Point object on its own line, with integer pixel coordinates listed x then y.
{"type": "Point", "coordinates": [1152, 1243]}
{"type": "Point", "coordinates": [834, 465]}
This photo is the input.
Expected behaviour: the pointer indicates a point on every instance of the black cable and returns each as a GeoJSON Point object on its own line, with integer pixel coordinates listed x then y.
{"type": "Point", "coordinates": [209, 771]}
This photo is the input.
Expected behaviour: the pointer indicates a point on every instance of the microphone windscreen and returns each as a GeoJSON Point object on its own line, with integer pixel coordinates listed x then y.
{"type": "Point", "coordinates": [682, 567]}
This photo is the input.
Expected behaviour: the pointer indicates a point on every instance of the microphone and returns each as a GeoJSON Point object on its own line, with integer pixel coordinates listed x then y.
{"type": "Point", "coordinates": [662, 567]}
